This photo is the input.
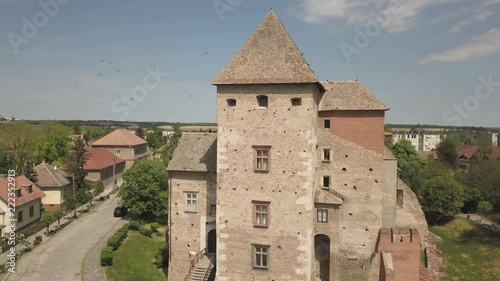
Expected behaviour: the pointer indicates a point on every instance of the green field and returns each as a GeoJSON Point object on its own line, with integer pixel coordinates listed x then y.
{"type": "Point", "coordinates": [134, 260]}
{"type": "Point", "coordinates": [471, 252]}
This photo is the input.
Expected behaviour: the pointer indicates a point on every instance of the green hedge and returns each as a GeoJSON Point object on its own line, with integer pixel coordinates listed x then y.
{"type": "Point", "coordinates": [155, 226]}
{"type": "Point", "coordinates": [161, 258]}
{"type": "Point", "coordinates": [106, 256]}
{"type": "Point", "coordinates": [146, 230]}
{"type": "Point", "coordinates": [134, 225]}
{"type": "Point", "coordinates": [116, 240]}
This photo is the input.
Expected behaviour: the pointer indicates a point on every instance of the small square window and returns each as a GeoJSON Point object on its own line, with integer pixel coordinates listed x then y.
{"type": "Point", "coordinates": [326, 155]}
{"type": "Point", "coordinates": [260, 256]}
{"type": "Point", "coordinates": [231, 102]}
{"type": "Point", "coordinates": [327, 123]}
{"type": "Point", "coordinates": [326, 182]}
{"type": "Point", "coordinates": [296, 101]}
{"type": "Point", "coordinates": [18, 193]}
{"type": "Point", "coordinates": [262, 100]}
{"type": "Point", "coordinates": [191, 202]}
{"type": "Point", "coordinates": [322, 215]}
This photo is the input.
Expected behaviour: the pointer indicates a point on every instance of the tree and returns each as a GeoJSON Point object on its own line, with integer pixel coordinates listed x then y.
{"type": "Point", "coordinates": [52, 148]}
{"type": "Point", "coordinates": [97, 187]}
{"type": "Point", "coordinates": [29, 171]}
{"type": "Point", "coordinates": [76, 129]}
{"type": "Point", "coordinates": [6, 162]}
{"type": "Point", "coordinates": [145, 188]}
{"type": "Point", "coordinates": [58, 215]}
{"type": "Point", "coordinates": [442, 199]}
{"type": "Point", "coordinates": [140, 133]}
{"type": "Point", "coordinates": [77, 157]}
{"type": "Point", "coordinates": [70, 203]}
{"type": "Point", "coordinates": [168, 150]}
{"type": "Point", "coordinates": [447, 152]}
{"type": "Point", "coordinates": [19, 139]}
{"type": "Point", "coordinates": [47, 219]}
{"type": "Point", "coordinates": [412, 167]}
{"type": "Point", "coordinates": [83, 197]}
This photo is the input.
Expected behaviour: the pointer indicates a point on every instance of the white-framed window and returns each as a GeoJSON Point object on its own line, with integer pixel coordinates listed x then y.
{"type": "Point", "coordinates": [260, 256]}
{"type": "Point", "coordinates": [261, 213]}
{"type": "Point", "coordinates": [326, 182]}
{"type": "Point", "coordinates": [322, 215]}
{"type": "Point", "coordinates": [191, 202]}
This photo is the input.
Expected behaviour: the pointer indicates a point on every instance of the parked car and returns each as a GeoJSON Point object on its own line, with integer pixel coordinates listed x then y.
{"type": "Point", "coordinates": [120, 211]}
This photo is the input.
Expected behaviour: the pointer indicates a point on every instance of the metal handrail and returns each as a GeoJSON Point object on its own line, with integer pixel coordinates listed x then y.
{"type": "Point", "coordinates": [209, 268]}
{"type": "Point", "coordinates": [194, 261]}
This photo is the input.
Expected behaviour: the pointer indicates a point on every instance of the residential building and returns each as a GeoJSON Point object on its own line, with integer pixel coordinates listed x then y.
{"type": "Point", "coordinates": [296, 184]}
{"type": "Point", "coordinates": [104, 166]}
{"type": "Point", "coordinates": [56, 185]}
{"type": "Point", "coordinates": [125, 145]}
{"type": "Point", "coordinates": [469, 153]}
{"type": "Point", "coordinates": [488, 138]}
{"type": "Point", "coordinates": [422, 140]}
{"type": "Point", "coordinates": [28, 203]}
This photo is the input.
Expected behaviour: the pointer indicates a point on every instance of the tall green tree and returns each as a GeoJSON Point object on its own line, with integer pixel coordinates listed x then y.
{"type": "Point", "coordinates": [145, 188]}
{"type": "Point", "coordinates": [78, 155]}
{"type": "Point", "coordinates": [412, 167]}
{"type": "Point", "coordinates": [19, 139]}
{"type": "Point", "coordinates": [29, 171]}
{"type": "Point", "coordinates": [140, 133]}
{"type": "Point", "coordinates": [441, 199]}
{"type": "Point", "coordinates": [52, 148]}
{"type": "Point", "coordinates": [168, 150]}
{"type": "Point", "coordinates": [6, 162]}
{"type": "Point", "coordinates": [447, 151]}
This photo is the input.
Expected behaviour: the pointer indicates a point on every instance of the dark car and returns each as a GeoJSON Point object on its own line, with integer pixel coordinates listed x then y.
{"type": "Point", "coordinates": [120, 211]}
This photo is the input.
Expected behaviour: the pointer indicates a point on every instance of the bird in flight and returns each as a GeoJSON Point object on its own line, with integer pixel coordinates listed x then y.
{"type": "Point", "coordinates": [206, 53]}
{"type": "Point", "coordinates": [100, 74]}
{"type": "Point", "coordinates": [118, 70]}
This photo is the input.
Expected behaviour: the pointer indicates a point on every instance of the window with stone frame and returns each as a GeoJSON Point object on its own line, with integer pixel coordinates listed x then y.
{"type": "Point", "coordinates": [192, 202]}
{"type": "Point", "coordinates": [326, 154]}
{"type": "Point", "coordinates": [262, 158]}
{"type": "Point", "coordinates": [326, 182]}
{"type": "Point", "coordinates": [261, 213]}
{"type": "Point", "coordinates": [322, 215]}
{"type": "Point", "coordinates": [262, 101]}
{"type": "Point", "coordinates": [260, 259]}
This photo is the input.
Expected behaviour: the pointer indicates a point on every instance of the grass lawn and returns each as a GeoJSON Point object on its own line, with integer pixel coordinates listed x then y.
{"type": "Point", "coordinates": [133, 261]}
{"type": "Point", "coordinates": [471, 252]}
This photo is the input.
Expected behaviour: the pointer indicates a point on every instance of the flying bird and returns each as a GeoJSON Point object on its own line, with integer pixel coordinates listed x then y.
{"type": "Point", "coordinates": [206, 53]}
{"type": "Point", "coordinates": [118, 70]}
{"type": "Point", "coordinates": [100, 74]}
{"type": "Point", "coordinates": [102, 61]}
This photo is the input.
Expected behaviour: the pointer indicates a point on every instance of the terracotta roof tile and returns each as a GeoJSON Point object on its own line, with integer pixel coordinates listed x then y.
{"type": "Point", "coordinates": [467, 151]}
{"type": "Point", "coordinates": [348, 95]}
{"type": "Point", "coordinates": [101, 158]}
{"type": "Point", "coordinates": [269, 56]}
{"type": "Point", "coordinates": [196, 152]}
{"type": "Point", "coordinates": [119, 137]}
{"type": "Point", "coordinates": [50, 177]}
{"type": "Point", "coordinates": [26, 197]}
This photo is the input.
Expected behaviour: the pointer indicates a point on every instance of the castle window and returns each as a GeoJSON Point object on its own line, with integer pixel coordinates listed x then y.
{"type": "Point", "coordinates": [262, 100]}
{"type": "Point", "coordinates": [118, 152]}
{"type": "Point", "coordinates": [262, 158]}
{"type": "Point", "coordinates": [327, 123]}
{"type": "Point", "coordinates": [261, 214]}
{"type": "Point", "coordinates": [260, 256]}
{"type": "Point", "coordinates": [326, 182]}
{"type": "Point", "coordinates": [322, 215]}
{"type": "Point", "coordinates": [326, 154]}
{"type": "Point", "coordinates": [296, 101]}
{"type": "Point", "coordinates": [213, 209]}
{"type": "Point", "coordinates": [231, 102]}
{"type": "Point", "coordinates": [192, 202]}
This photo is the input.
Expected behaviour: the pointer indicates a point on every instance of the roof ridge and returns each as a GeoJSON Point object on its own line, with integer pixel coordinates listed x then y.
{"type": "Point", "coordinates": [50, 172]}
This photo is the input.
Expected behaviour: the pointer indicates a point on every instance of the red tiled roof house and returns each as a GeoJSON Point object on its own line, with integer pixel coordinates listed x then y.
{"type": "Point", "coordinates": [104, 166]}
{"type": "Point", "coordinates": [28, 202]}
{"type": "Point", "coordinates": [125, 145]}
{"type": "Point", "coordinates": [56, 185]}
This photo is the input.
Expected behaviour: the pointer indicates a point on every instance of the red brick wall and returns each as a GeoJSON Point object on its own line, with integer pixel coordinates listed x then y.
{"type": "Point", "coordinates": [405, 254]}
{"type": "Point", "coordinates": [365, 128]}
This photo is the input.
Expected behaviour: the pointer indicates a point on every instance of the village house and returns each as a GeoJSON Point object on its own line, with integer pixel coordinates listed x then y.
{"type": "Point", "coordinates": [56, 185]}
{"type": "Point", "coordinates": [125, 145]}
{"type": "Point", "coordinates": [296, 184]}
{"type": "Point", "coordinates": [469, 153]}
{"type": "Point", "coordinates": [28, 205]}
{"type": "Point", "coordinates": [104, 166]}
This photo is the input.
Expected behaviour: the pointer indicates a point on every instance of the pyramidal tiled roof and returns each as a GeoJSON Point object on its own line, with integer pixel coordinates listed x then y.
{"type": "Point", "coordinates": [50, 176]}
{"type": "Point", "coordinates": [348, 95]}
{"type": "Point", "coordinates": [119, 137]}
{"type": "Point", "coordinates": [269, 56]}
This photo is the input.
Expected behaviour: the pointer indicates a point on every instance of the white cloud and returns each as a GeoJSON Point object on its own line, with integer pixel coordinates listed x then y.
{"type": "Point", "coordinates": [479, 46]}
{"type": "Point", "coordinates": [403, 14]}
{"type": "Point", "coordinates": [481, 16]}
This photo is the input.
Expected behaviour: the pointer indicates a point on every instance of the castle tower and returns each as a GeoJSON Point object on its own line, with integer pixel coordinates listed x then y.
{"type": "Point", "coordinates": [267, 99]}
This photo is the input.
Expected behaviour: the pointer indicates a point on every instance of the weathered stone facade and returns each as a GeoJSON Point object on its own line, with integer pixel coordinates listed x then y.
{"type": "Point", "coordinates": [328, 185]}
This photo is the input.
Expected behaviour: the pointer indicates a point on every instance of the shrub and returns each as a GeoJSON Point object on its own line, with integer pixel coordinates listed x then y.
{"type": "Point", "coordinates": [114, 241]}
{"type": "Point", "coordinates": [146, 231]}
{"type": "Point", "coordinates": [126, 226]}
{"type": "Point", "coordinates": [123, 233]}
{"type": "Point", "coordinates": [134, 225]}
{"type": "Point", "coordinates": [161, 257]}
{"type": "Point", "coordinates": [155, 226]}
{"type": "Point", "coordinates": [3, 268]}
{"type": "Point", "coordinates": [106, 256]}
{"type": "Point", "coordinates": [51, 232]}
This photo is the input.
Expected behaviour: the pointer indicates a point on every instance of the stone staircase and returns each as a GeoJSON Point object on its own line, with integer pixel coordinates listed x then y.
{"type": "Point", "coordinates": [199, 270]}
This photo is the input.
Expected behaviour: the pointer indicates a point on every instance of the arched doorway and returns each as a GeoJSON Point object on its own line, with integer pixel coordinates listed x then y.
{"type": "Point", "coordinates": [322, 256]}
{"type": "Point", "coordinates": [212, 242]}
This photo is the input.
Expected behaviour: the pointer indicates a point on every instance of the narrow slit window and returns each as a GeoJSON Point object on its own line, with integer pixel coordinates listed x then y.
{"type": "Point", "coordinates": [327, 123]}
{"type": "Point", "coordinates": [326, 155]}
{"type": "Point", "coordinates": [326, 182]}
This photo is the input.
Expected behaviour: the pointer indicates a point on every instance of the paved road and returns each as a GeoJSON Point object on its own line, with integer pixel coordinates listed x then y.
{"type": "Point", "coordinates": [60, 258]}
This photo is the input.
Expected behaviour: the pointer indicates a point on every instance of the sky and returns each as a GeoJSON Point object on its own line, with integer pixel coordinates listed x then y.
{"type": "Point", "coordinates": [430, 61]}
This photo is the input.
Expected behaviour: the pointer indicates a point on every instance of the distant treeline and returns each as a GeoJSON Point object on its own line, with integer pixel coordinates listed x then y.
{"type": "Point", "coordinates": [462, 128]}
{"type": "Point", "coordinates": [120, 124]}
